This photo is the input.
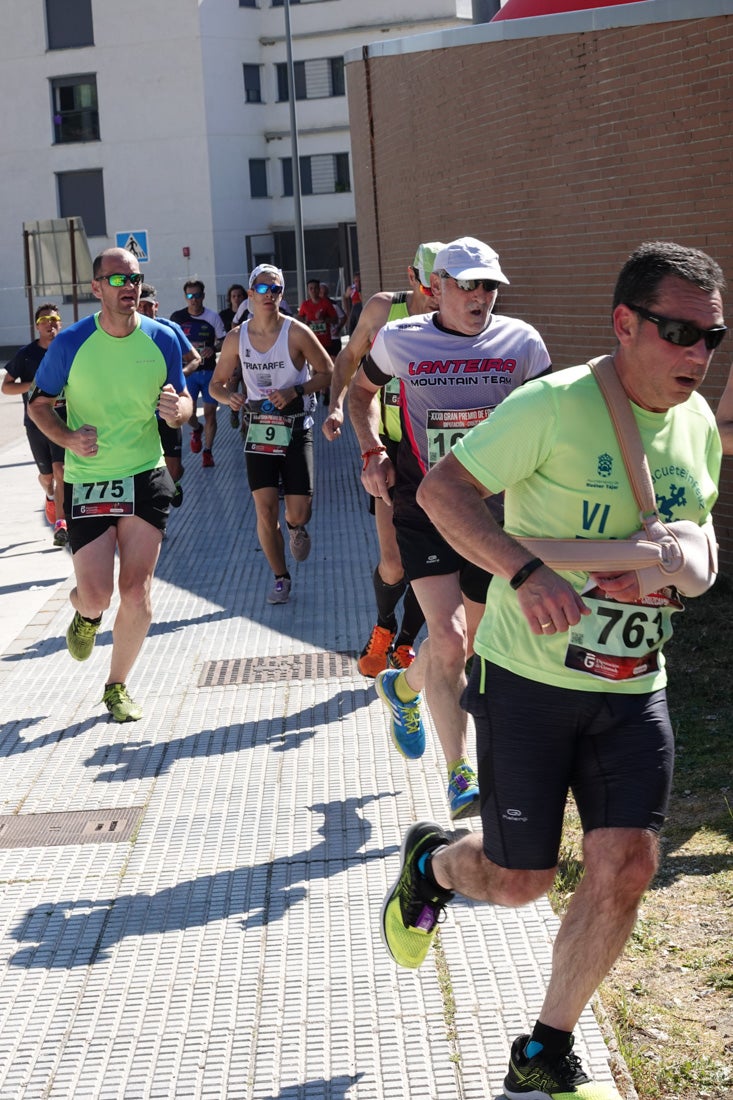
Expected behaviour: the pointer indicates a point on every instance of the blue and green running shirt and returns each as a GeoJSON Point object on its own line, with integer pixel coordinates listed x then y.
{"type": "Point", "coordinates": [113, 383]}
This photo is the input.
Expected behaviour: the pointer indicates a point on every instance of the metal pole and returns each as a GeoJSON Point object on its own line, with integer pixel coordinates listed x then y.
{"type": "Point", "coordinates": [298, 221]}
{"type": "Point", "coordinates": [74, 273]}
{"type": "Point", "coordinates": [28, 283]}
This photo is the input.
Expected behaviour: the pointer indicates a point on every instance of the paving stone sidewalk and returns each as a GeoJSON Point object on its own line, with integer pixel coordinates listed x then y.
{"type": "Point", "coordinates": [198, 914]}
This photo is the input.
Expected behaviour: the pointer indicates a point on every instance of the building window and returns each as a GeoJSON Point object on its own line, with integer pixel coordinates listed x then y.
{"type": "Point", "coordinates": [319, 78]}
{"type": "Point", "coordinates": [81, 195]}
{"type": "Point", "coordinates": [248, 3]}
{"type": "Point", "coordinates": [279, 3]}
{"type": "Point", "coordinates": [324, 174]}
{"type": "Point", "coordinates": [252, 88]}
{"type": "Point", "coordinates": [75, 112]}
{"type": "Point", "coordinates": [343, 175]}
{"type": "Point", "coordinates": [69, 24]}
{"type": "Point", "coordinates": [258, 178]}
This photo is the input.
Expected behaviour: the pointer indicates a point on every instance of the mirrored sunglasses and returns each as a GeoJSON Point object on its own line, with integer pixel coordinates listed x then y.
{"type": "Point", "coordinates": [468, 285]}
{"type": "Point", "coordinates": [47, 317]}
{"type": "Point", "coordinates": [262, 288]}
{"type": "Point", "coordinates": [194, 294]}
{"type": "Point", "coordinates": [681, 333]}
{"type": "Point", "coordinates": [118, 279]}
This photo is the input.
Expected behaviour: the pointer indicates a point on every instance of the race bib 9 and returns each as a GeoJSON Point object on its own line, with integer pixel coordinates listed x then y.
{"type": "Point", "coordinates": [268, 434]}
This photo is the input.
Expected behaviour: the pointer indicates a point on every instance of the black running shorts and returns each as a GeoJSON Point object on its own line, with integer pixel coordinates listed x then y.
{"type": "Point", "coordinates": [154, 490]}
{"type": "Point", "coordinates": [294, 469]}
{"type": "Point", "coordinates": [45, 452]}
{"type": "Point", "coordinates": [535, 742]}
{"type": "Point", "coordinates": [425, 553]}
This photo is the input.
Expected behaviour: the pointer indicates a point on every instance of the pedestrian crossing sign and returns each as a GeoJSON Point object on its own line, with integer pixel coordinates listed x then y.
{"type": "Point", "coordinates": [135, 241]}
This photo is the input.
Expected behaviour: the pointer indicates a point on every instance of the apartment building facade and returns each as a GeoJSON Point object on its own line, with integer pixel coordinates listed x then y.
{"type": "Point", "coordinates": [170, 124]}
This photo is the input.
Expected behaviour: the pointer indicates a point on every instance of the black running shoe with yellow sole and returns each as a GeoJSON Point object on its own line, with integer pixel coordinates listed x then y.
{"type": "Point", "coordinates": [550, 1078]}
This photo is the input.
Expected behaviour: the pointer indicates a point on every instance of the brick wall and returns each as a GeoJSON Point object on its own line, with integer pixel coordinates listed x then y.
{"type": "Point", "coordinates": [564, 153]}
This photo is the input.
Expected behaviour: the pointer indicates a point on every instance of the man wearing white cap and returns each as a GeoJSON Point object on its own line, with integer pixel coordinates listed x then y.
{"type": "Point", "coordinates": [454, 367]}
{"type": "Point", "coordinates": [386, 647]}
{"type": "Point", "coordinates": [282, 365]}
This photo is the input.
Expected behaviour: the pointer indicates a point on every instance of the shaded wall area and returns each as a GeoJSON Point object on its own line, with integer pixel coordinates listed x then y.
{"type": "Point", "coordinates": [563, 152]}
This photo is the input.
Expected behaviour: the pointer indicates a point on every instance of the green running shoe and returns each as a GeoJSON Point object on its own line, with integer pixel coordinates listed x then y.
{"type": "Point", "coordinates": [117, 700]}
{"type": "Point", "coordinates": [413, 907]}
{"type": "Point", "coordinates": [550, 1078]}
{"type": "Point", "coordinates": [81, 636]}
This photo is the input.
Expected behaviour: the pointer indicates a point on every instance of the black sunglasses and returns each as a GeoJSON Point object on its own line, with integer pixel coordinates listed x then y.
{"type": "Point", "coordinates": [681, 333]}
{"type": "Point", "coordinates": [193, 294]}
{"type": "Point", "coordinates": [470, 284]}
{"type": "Point", "coordinates": [118, 279]}
{"type": "Point", "coordinates": [262, 288]}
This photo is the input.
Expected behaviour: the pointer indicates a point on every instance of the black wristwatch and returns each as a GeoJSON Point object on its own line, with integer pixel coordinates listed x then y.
{"type": "Point", "coordinates": [300, 390]}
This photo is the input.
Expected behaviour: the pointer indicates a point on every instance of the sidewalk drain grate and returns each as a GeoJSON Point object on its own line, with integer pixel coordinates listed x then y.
{"type": "Point", "coordinates": [265, 670]}
{"type": "Point", "coordinates": [70, 827]}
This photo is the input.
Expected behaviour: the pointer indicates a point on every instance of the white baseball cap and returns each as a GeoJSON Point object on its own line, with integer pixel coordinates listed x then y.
{"type": "Point", "coordinates": [467, 258]}
{"type": "Point", "coordinates": [269, 270]}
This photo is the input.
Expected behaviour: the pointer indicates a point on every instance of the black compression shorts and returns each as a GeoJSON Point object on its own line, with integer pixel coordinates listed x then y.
{"type": "Point", "coordinates": [535, 742]}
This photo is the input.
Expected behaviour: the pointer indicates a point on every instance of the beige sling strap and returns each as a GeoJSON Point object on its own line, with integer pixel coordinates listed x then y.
{"type": "Point", "coordinates": [681, 553]}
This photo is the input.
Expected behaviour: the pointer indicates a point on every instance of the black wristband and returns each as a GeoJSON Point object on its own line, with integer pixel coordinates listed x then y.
{"type": "Point", "coordinates": [299, 390]}
{"type": "Point", "coordinates": [526, 571]}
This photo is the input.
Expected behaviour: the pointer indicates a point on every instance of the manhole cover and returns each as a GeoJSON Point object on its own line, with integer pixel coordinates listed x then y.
{"type": "Point", "coordinates": [71, 827]}
{"type": "Point", "coordinates": [294, 666]}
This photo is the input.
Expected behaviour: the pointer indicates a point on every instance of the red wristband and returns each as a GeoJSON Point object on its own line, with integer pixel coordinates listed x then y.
{"type": "Point", "coordinates": [368, 454]}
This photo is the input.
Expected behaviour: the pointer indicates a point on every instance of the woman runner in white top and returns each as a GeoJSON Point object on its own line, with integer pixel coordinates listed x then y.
{"type": "Point", "coordinates": [282, 365]}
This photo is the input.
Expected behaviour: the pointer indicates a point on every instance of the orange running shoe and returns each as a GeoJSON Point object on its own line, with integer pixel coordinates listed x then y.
{"type": "Point", "coordinates": [401, 656]}
{"type": "Point", "coordinates": [51, 510]}
{"type": "Point", "coordinates": [373, 657]}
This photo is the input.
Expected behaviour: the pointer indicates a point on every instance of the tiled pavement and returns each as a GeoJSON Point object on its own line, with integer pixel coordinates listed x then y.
{"type": "Point", "coordinates": [221, 938]}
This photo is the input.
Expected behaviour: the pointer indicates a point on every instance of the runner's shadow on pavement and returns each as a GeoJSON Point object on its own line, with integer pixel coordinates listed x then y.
{"type": "Point", "coordinates": [18, 745]}
{"type": "Point", "coordinates": [76, 932]}
{"type": "Point", "coordinates": [335, 1088]}
{"type": "Point", "coordinates": [22, 586]}
{"type": "Point", "coordinates": [45, 647]}
{"type": "Point", "coordinates": [146, 759]}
